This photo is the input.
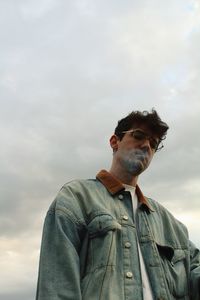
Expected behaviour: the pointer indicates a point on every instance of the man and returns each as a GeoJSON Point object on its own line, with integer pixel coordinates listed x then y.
{"type": "Point", "coordinates": [103, 240]}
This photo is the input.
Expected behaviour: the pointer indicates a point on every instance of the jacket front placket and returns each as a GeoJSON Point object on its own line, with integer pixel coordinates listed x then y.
{"type": "Point", "coordinates": [131, 264]}
{"type": "Point", "coordinates": [151, 255]}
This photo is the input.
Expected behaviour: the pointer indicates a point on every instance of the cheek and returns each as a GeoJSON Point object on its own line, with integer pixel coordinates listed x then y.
{"type": "Point", "coordinates": [126, 146]}
{"type": "Point", "coordinates": [150, 159]}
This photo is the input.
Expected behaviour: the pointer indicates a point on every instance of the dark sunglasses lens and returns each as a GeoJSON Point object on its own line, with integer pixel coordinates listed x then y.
{"type": "Point", "coordinates": [139, 135]}
{"type": "Point", "coordinates": [153, 144]}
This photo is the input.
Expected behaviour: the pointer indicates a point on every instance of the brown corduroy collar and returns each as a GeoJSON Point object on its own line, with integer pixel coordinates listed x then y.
{"type": "Point", "coordinates": [113, 185]}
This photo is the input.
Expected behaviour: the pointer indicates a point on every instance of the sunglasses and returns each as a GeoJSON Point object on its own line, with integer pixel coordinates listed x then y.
{"type": "Point", "coordinates": [140, 135]}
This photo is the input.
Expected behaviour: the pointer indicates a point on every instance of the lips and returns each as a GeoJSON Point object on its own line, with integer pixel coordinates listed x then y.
{"type": "Point", "coordinates": [134, 161]}
{"type": "Point", "coordinates": [140, 155]}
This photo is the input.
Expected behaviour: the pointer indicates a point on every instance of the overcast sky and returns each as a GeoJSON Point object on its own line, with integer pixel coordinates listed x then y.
{"type": "Point", "coordinates": [69, 70]}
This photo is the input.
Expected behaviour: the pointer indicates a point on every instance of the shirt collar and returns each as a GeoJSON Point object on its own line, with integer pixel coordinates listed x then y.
{"type": "Point", "coordinates": [114, 186]}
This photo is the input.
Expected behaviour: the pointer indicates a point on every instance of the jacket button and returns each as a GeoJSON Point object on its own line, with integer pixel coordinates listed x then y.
{"type": "Point", "coordinates": [127, 245]}
{"type": "Point", "coordinates": [129, 274]}
{"type": "Point", "coordinates": [125, 217]}
{"type": "Point", "coordinates": [120, 196]}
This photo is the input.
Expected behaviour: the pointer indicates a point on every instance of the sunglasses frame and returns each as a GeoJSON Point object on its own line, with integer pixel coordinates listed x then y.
{"type": "Point", "coordinates": [146, 136]}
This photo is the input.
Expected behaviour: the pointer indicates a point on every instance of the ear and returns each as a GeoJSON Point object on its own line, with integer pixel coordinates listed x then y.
{"type": "Point", "coordinates": [114, 142]}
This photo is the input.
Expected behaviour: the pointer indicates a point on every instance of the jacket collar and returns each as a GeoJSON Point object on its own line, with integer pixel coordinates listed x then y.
{"type": "Point", "coordinates": [114, 186]}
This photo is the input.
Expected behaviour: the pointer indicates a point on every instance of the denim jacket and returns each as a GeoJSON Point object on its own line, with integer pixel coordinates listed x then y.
{"type": "Point", "coordinates": [89, 247]}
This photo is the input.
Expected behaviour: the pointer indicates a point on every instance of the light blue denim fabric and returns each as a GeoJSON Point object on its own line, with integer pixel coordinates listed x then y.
{"type": "Point", "coordinates": [84, 253]}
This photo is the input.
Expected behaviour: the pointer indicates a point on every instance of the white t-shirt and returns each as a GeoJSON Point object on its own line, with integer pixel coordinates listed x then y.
{"type": "Point", "coordinates": [147, 292]}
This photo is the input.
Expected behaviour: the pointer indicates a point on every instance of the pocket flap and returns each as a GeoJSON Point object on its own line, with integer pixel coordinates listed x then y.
{"type": "Point", "coordinates": [166, 251]}
{"type": "Point", "coordinates": [179, 255]}
{"type": "Point", "coordinates": [101, 224]}
{"type": "Point", "coordinates": [172, 254]}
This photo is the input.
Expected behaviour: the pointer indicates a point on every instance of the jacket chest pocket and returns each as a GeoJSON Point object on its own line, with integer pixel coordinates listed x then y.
{"type": "Point", "coordinates": [174, 264]}
{"type": "Point", "coordinates": [102, 241]}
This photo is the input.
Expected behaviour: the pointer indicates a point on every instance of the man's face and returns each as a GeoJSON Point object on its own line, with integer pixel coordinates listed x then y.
{"type": "Point", "coordinates": [136, 149]}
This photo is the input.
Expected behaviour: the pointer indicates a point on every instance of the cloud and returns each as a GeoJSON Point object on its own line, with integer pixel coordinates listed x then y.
{"type": "Point", "coordinates": [18, 256]}
{"type": "Point", "coordinates": [69, 71]}
{"type": "Point", "coordinates": [36, 9]}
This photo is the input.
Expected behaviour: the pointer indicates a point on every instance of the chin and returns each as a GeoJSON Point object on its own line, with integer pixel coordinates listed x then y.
{"type": "Point", "coordinates": [136, 169]}
{"type": "Point", "coordinates": [133, 167]}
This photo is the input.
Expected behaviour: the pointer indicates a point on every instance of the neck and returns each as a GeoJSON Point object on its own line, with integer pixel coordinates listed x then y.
{"type": "Point", "coordinates": [123, 176]}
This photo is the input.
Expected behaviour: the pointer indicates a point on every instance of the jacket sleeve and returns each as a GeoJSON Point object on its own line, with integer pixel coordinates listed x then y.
{"type": "Point", "coordinates": [194, 272]}
{"type": "Point", "coordinates": [59, 268]}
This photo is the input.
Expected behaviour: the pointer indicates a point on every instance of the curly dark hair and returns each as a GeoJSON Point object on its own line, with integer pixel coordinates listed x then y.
{"type": "Point", "coordinates": [151, 119]}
